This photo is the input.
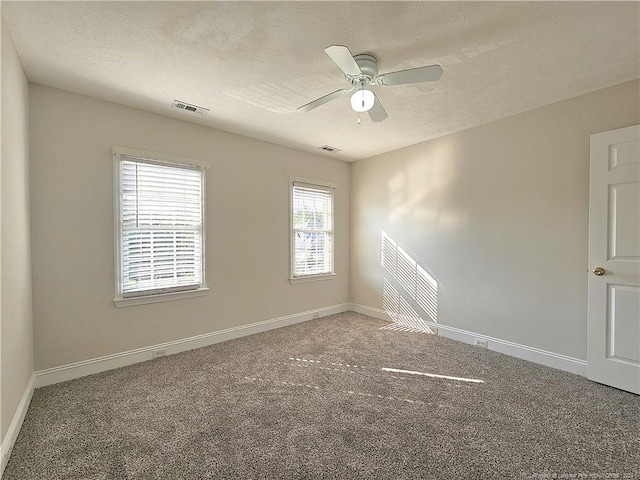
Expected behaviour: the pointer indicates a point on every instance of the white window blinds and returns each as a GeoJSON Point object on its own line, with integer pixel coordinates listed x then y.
{"type": "Point", "coordinates": [312, 221]}
{"type": "Point", "coordinates": [161, 227]}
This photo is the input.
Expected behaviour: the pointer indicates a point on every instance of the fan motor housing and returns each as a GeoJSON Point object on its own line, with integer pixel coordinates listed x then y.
{"type": "Point", "coordinates": [368, 65]}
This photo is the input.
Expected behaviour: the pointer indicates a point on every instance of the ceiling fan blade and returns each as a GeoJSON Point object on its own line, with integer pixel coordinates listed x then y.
{"type": "Point", "coordinates": [413, 75]}
{"type": "Point", "coordinates": [343, 58]}
{"type": "Point", "coordinates": [377, 112]}
{"type": "Point", "coordinates": [321, 101]}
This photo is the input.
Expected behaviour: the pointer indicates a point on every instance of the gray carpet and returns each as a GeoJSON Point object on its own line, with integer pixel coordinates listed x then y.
{"type": "Point", "coordinates": [311, 401]}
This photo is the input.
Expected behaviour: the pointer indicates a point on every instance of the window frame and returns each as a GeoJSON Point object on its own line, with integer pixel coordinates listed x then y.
{"type": "Point", "coordinates": [293, 277]}
{"type": "Point", "coordinates": [171, 293]}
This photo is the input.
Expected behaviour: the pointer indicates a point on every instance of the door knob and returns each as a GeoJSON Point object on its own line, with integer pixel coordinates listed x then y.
{"type": "Point", "coordinates": [599, 271]}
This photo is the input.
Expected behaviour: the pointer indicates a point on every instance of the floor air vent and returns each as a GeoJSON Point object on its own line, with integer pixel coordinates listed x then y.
{"type": "Point", "coordinates": [190, 108]}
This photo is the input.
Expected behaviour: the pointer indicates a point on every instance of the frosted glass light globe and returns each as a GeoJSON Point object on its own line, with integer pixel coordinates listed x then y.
{"type": "Point", "coordinates": [362, 100]}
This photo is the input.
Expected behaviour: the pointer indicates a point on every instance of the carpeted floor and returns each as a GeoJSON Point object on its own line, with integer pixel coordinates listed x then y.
{"type": "Point", "coordinates": [312, 401]}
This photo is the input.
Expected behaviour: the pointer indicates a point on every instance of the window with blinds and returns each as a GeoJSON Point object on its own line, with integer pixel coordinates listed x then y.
{"type": "Point", "coordinates": [312, 230]}
{"type": "Point", "coordinates": [161, 244]}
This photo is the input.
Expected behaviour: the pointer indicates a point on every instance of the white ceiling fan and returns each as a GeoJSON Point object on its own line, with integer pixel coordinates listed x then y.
{"type": "Point", "coordinates": [361, 71]}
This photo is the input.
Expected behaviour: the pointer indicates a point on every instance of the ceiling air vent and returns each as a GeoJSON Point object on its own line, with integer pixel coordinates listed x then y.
{"type": "Point", "coordinates": [190, 108]}
{"type": "Point", "coordinates": [329, 148]}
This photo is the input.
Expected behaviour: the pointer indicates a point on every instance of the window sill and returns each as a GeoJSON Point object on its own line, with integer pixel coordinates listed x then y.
{"type": "Point", "coordinates": [161, 297]}
{"type": "Point", "coordinates": [312, 278]}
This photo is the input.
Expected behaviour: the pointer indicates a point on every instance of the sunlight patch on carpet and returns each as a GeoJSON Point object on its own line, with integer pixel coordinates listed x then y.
{"type": "Point", "coordinates": [432, 375]}
{"type": "Point", "coordinates": [350, 365]}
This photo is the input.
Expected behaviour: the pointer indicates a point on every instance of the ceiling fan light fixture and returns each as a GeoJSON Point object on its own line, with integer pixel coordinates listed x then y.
{"type": "Point", "coordinates": [361, 71]}
{"type": "Point", "coordinates": [362, 100]}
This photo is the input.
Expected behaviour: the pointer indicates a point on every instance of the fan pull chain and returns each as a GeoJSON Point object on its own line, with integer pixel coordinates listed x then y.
{"type": "Point", "coordinates": [358, 118]}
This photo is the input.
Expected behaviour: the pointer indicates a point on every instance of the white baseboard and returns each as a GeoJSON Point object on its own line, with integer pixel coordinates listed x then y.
{"type": "Point", "coordinates": [117, 360]}
{"type": "Point", "coordinates": [532, 354]}
{"type": "Point", "coordinates": [16, 423]}
{"type": "Point", "coordinates": [122, 359]}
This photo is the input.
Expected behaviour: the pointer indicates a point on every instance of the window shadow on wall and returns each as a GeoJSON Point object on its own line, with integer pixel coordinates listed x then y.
{"type": "Point", "coordinates": [409, 292]}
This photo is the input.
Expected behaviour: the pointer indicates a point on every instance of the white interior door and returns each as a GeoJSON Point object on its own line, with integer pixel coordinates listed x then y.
{"type": "Point", "coordinates": [614, 259]}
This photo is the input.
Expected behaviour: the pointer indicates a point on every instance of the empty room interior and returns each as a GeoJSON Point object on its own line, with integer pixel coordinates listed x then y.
{"type": "Point", "coordinates": [264, 240]}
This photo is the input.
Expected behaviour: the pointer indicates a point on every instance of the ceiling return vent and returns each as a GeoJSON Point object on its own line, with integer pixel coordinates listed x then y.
{"type": "Point", "coordinates": [329, 148]}
{"type": "Point", "coordinates": [190, 108]}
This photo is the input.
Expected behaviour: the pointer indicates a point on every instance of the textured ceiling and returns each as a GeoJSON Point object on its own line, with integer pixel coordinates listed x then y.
{"type": "Point", "coordinates": [253, 63]}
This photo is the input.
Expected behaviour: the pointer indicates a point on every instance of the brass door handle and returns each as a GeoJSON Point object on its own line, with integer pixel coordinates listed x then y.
{"type": "Point", "coordinates": [599, 271]}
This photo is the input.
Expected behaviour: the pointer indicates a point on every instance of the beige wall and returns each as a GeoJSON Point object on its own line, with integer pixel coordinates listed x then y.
{"type": "Point", "coordinates": [247, 229]}
{"type": "Point", "coordinates": [16, 365]}
{"type": "Point", "coordinates": [498, 215]}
